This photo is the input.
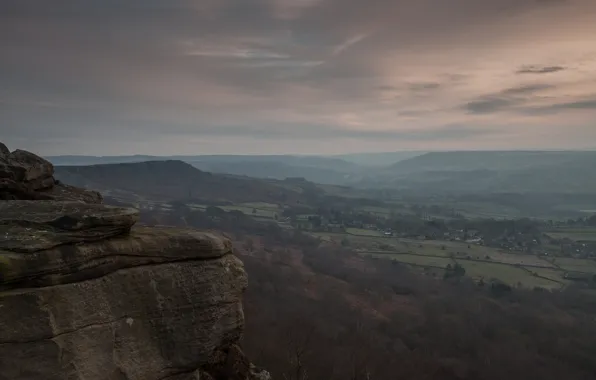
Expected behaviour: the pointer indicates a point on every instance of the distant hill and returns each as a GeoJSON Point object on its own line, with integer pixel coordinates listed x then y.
{"type": "Point", "coordinates": [326, 170]}
{"type": "Point", "coordinates": [75, 160]}
{"type": "Point", "coordinates": [490, 160]}
{"type": "Point", "coordinates": [307, 161]}
{"type": "Point", "coordinates": [378, 159]}
{"type": "Point", "coordinates": [321, 162]}
{"type": "Point", "coordinates": [173, 180]}
{"type": "Point", "coordinates": [277, 170]}
{"type": "Point", "coordinates": [479, 172]}
{"type": "Point", "coordinates": [471, 172]}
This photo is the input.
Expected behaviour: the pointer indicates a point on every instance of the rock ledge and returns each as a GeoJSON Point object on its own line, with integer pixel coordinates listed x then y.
{"type": "Point", "coordinates": [86, 295]}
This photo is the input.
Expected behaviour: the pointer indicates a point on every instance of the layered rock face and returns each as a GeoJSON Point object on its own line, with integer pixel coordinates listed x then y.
{"type": "Point", "coordinates": [85, 296]}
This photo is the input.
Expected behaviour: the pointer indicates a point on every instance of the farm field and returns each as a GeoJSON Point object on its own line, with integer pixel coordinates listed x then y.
{"type": "Point", "coordinates": [515, 269]}
{"type": "Point", "coordinates": [475, 210]}
{"type": "Point", "coordinates": [509, 274]}
{"type": "Point", "coordinates": [365, 242]}
{"type": "Point", "coordinates": [406, 258]}
{"type": "Point", "coordinates": [432, 256]}
{"type": "Point", "coordinates": [576, 265]}
{"type": "Point", "coordinates": [514, 276]}
{"type": "Point", "coordinates": [380, 211]}
{"type": "Point", "coordinates": [364, 232]}
{"type": "Point", "coordinates": [433, 248]}
{"type": "Point", "coordinates": [374, 239]}
{"type": "Point", "coordinates": [257, 209]}
{"type": "Point", "coordinates": [576, 234]}
{"type": "Point", "coordinates": [465, 250]}
{"type": "Point", "coordinates": [263, 210]}
{"type": "Point", "coordinates": [553, 274]}
{"type": "Point", "coordinates": [520, 259]}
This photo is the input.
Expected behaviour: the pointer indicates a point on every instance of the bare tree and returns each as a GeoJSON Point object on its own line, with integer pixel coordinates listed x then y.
{"type": "Point", "coordinates": [298, 338]}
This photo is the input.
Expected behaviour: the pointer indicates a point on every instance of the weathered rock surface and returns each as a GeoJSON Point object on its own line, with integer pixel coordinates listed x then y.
{"type": "Point", "coordinates": [83, 296]}
{"type": "Point", "coordinates": [29, 226]}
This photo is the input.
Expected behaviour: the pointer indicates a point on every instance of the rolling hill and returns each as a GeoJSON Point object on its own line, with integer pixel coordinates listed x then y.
{"type": "Point", "coordinates": [173, 180]}
{"type": "Point", "coordinates": [378, 158]}
{"type": "Point", "coordinates": [326, 170]}
{"type": "Point", "coordinates": [491, 172]}
{"type": "Point", "coordinates": [492, 160]}
{"type": "Point", "coordinates": [276, 170]}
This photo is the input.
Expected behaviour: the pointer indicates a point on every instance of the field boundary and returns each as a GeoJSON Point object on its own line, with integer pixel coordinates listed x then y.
{"type": "Point", "coordinates": [460, 258]}
{"type": "Point", "coordinates": [542, 277]}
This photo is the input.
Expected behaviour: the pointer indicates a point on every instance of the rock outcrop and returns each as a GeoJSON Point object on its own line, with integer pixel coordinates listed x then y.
{"type": "Point", "coordinates": [24, 175]}
{"type": "Point", "coordinates": [86, 295]}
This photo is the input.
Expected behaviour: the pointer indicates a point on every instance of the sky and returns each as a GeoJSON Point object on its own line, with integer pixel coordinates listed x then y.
{"type": "Point", "coordinates": [109, 77]}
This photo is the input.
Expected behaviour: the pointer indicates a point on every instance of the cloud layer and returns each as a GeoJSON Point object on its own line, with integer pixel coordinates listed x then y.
{"type": "Point", "coordinates": [296, 76]}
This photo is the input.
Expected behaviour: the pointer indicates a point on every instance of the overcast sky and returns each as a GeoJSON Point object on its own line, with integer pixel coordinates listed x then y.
{"type": "Point", "coordinates": [166, 77]}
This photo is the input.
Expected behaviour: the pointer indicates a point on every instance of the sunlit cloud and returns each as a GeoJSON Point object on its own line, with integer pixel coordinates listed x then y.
{"type": "Point", "coordinates": [348, 43]}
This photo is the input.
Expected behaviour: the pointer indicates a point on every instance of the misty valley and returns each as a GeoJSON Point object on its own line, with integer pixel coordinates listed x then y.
{"type": "Point", "coordinates": [422, 280]}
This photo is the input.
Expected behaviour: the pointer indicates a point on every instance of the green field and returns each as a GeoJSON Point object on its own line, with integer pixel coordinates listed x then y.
{"type": "Point", "coordinates": [553, 274]}
{"type": "Point", "coordinates": [512, 275]}
{"type": "Point", "coordinates": [372, 240]}
{"type": "Point", "coordinates": [576, 265]}
{"type": "Point", "coordinates": [475, 210]}
{"type": "Point", "coordinates": [515, 269]}
{"type": "Point", "coordinates": [455, 249]}
{"type": "Point", "coordinates": [256, 209]}
{"type": "Point", "coordinates": [518, 258]}
{"type": "Point", "coordinates": [433, 248]}
{"type": "Point", "coordinates": [365, 242]}
{"type": "Point", "coordinates": [487, 263]}
{"type": "Point", "coordinates": [261, 205]}
{"type": "Point", "coordinates": [469, 209]}
{"type": "Point", "coordinates": [437, 248]}
{"type": "Point", "coordinates": [259, 210]}
{"type": "Point", "coordinates": [380, 211]}
{"type": "Point", "coordinates": [509, 274]}
{"type": "Point", "coordinates": [432, 261]}
{"type": "Point", "coordinates": [575, 234]}
{"type": "Point", "coordinates": [430, 256]}
{"type": "Point", "coordinates": [364, 232]}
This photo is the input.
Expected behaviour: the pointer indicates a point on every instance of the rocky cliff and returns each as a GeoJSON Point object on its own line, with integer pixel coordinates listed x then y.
{"type": "Point", "coordinates": [86, 295]}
